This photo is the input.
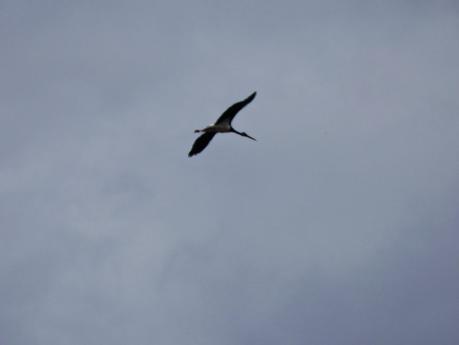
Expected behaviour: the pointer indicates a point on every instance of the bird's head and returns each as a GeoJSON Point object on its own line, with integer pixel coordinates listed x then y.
{"type": "Point", "coordinates": [244, 134]}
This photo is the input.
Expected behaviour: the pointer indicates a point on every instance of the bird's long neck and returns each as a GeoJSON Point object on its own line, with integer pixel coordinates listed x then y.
{"type": "Point", "coordinates": [235, 131]}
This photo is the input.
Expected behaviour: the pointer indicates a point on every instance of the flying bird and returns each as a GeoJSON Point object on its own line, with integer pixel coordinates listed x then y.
{"type": "Point", "coordinates": [223, 125]}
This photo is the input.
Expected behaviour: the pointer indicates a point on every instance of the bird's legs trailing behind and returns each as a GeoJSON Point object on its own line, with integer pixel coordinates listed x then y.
{"type": "Point", "coordinates": [205, 129]}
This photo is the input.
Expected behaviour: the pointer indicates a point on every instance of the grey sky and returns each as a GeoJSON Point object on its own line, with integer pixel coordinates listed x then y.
{"type": "Point", "coordinates": [339, 226]}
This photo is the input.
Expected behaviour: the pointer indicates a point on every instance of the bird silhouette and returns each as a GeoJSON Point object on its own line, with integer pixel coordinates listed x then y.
{"type": "Point", "coordinates": [222, 125]}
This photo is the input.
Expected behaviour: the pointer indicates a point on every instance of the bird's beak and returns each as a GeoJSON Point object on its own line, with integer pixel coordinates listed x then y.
{"type": "Point", "coordinates": [248, 136]}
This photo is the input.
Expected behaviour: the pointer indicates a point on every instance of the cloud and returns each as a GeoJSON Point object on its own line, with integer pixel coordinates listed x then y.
{"type": "Point", "coordinates": [337, 226]}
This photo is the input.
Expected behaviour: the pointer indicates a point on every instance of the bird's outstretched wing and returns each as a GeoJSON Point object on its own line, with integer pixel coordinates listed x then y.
{"type": "Point", "coordinates": [231, 112]}
{"type": "Point", "coordinates": [201, 143]}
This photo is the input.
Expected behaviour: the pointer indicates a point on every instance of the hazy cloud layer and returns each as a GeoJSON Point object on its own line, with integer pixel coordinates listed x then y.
{"type": "Point", "coordinates": [339, 226]}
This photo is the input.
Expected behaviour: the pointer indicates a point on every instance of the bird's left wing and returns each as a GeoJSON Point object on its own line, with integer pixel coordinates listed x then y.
{"type": "Point", "coordinates": [201, 143]}
{"type": "Point", "coordinates": [231, 112]}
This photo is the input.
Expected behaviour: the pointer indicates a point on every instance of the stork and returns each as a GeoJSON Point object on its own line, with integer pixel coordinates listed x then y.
{"type": "Point", "coordinates": [223, 125]}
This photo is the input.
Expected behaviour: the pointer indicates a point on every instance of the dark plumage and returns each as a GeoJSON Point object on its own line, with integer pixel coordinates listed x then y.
{"type": "Point", "coordinates": [201, 142]}
{"type": "Point", "coordinates": [232, 111]}
{"type": "Point", "coordinates": [223, 125]}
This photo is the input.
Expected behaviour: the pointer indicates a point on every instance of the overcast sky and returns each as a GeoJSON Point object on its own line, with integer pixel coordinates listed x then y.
{"type": "Point", "coordinates": [340, 225]}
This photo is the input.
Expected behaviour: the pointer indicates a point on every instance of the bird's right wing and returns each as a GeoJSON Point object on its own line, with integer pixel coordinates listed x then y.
{"type": "Point", "coordinates": [231, 112]}
{"type": "Point", "coordinates": [201, 143]}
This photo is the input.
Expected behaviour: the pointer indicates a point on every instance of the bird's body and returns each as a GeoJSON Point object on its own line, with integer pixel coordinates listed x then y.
{"type": "Point", "coordinates": [222, 125]}
{"type": "Point", "coordinates": [215, 128]}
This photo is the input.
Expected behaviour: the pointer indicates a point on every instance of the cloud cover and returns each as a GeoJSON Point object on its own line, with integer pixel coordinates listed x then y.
{"type": "Point", "coordinates": [339, 226]}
